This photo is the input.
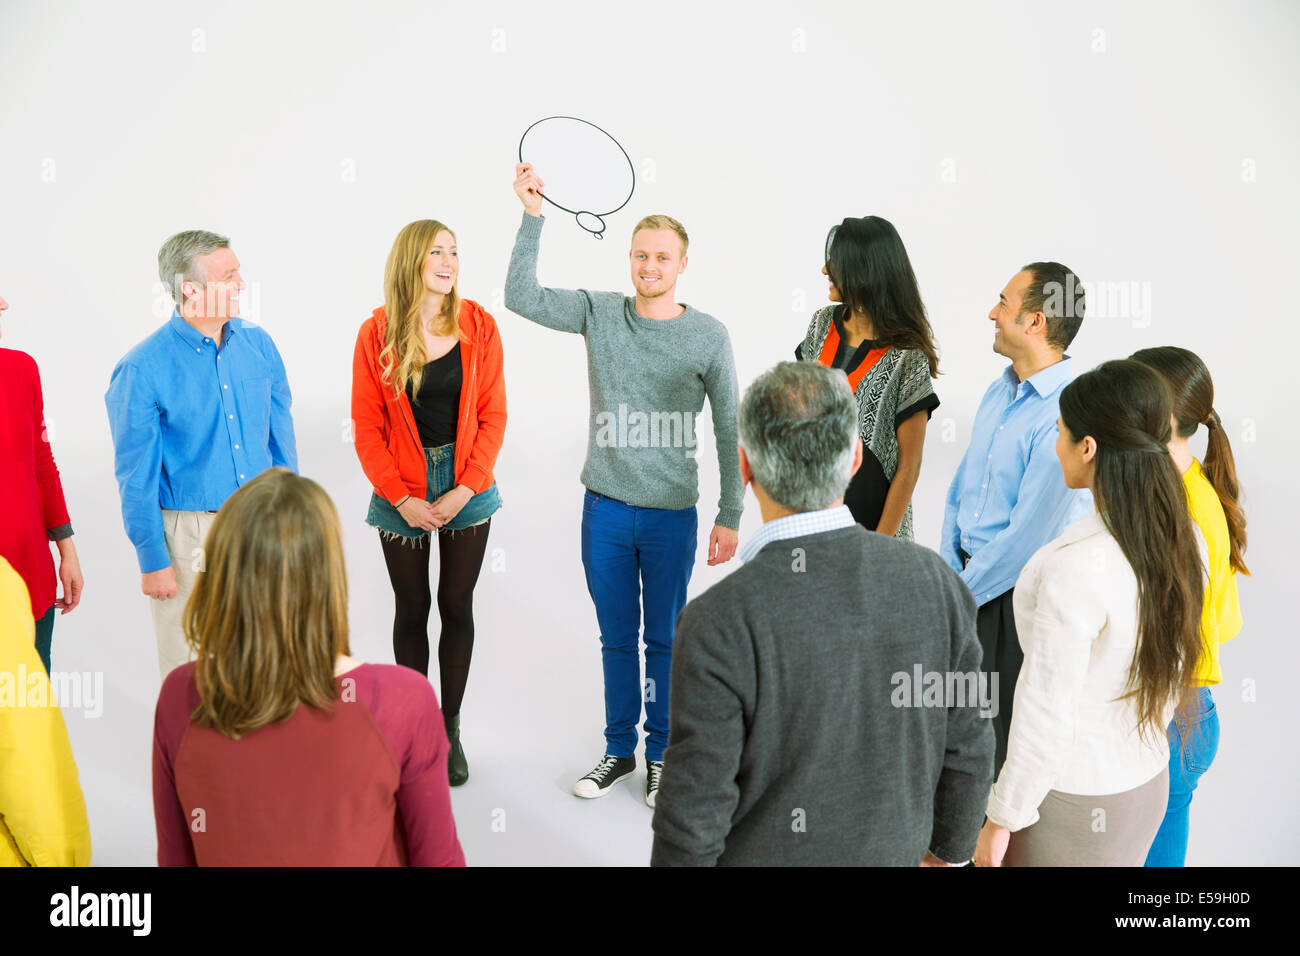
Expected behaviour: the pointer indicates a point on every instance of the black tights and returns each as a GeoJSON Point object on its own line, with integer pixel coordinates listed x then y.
{"type": "Point", "coordinates": [460, 557]}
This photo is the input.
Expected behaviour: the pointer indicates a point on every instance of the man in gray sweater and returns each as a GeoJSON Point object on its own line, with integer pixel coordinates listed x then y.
{"type": "Point", "coordinates": [651, 362]}
{"type": "Point", "coordinates": [826, 704]}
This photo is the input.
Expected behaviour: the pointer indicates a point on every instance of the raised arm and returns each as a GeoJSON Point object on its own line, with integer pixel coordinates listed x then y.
{"type": "Point", "coordinates": [566, 310]}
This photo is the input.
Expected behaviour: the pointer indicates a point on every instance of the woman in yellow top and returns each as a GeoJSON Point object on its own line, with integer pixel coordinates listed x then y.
{"type": "Point", "coordinates": [42, 813]}
{"type": "Point", "coordinates": [1212, 495]}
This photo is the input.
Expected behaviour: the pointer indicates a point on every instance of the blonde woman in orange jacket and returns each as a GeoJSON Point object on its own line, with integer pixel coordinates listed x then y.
{"type": "Point", "coordinates": [429, 417]}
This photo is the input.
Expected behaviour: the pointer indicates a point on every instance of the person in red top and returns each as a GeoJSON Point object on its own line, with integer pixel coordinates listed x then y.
{"type": "Point", "coordinates": [275, 747]}
{"type": "Point", "coordinates": [429, 417]}
{"type": "Point", "coordinates": [32, 510]}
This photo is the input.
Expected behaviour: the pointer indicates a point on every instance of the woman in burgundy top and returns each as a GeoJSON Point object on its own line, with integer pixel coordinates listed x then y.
{"type": "Point", "coordinates": [32, 510]}
{"type": "Point", "coordinates": [275, 748]}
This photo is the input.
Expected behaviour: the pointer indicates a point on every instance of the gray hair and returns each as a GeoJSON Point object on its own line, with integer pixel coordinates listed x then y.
{"type": "Point", "coordinates": [798, 426]}
{"type": "Point", "coordinates": [176, 259]}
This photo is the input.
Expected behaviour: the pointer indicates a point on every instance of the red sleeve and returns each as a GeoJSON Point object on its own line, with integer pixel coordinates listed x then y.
{"type": "Point", "coordinates": [171, 717]}
{"type": "Point", "coordinates": [54, 510]}
{"type": "Point", "coordinates": [370, 420]}
{"type": "Point", "coordinates": [424, 796]}
{"type": "Point", "coordinates": [406, 711]}
{"type": "Point", "coordinates": [491, 412]}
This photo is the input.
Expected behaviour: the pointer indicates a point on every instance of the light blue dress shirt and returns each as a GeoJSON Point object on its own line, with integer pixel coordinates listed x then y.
{"type": "Point", "coordinates": [191, 423]}
{"type": "Point", "coordinates": [1009, 498]}
{"type": "Point", "coordinates": [795, 526]}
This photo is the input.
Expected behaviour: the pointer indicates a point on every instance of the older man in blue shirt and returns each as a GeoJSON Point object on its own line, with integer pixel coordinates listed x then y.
{"type": "Point", "coordinates": [197, 409]}
{"type": "Point", "coordinates": [1009, 498]}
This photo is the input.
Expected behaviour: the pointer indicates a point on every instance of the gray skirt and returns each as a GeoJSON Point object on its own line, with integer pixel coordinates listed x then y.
{"type": "Point", "coordinates": [1114, 829]}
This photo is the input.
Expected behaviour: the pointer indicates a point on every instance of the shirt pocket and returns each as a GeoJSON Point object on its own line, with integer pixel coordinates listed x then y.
{"type": "Point", "coordinates": [255, 411]}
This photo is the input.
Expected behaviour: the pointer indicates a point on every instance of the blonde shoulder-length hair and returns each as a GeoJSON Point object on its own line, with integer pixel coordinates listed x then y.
{"type": "Point", "coordinates": [268, 615]}
{"type": "Point", "coordinates": [402, 358]}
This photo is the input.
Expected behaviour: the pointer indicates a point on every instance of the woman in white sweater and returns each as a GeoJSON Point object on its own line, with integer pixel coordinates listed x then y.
{"type": "Point", "coordinates": [1108, 616]}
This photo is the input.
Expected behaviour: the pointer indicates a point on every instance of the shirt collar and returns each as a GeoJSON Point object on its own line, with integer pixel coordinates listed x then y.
{"type": "Point", "coordinates": [1045, 381]}
{"type": "Point", "coordinates": [1085, 527]}
{"type": "Point", "coordinates": [796, 526]}
{"type": "Point", "coordinates": [191, 336]}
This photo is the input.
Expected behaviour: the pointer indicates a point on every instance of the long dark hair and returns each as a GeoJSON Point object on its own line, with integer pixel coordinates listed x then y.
{"type": "Point", "coordinates": [1125, 407]}
{"type": "Point", "coordinates": [1193, 390]}
{"type": "Point", "coordinates": [868, 263]}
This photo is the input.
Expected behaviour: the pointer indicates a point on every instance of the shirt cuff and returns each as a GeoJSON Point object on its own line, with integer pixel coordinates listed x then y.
{"type": "Point", "coordinates": [1004, 815]}
{"type": "Point", "coordinates": [61, 532]}
{"type": "Point", "coordinates": [729, 518]}
{"type": "Point", "coordinates": [153, 557]}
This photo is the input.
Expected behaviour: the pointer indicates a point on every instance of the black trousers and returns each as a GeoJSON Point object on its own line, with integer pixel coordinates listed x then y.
{"type": "Point", "coordinates": [995, 623]}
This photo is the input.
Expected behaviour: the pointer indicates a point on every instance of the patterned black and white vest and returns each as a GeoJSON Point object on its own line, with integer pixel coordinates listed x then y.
{"type": "Point", "coordinates": [896, 387]}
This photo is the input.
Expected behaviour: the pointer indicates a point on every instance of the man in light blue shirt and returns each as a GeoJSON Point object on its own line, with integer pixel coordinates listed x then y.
{"type": "Point", "coordinates": [1009, 498]}
{"type": "Point", "coordinates": [197, 409]}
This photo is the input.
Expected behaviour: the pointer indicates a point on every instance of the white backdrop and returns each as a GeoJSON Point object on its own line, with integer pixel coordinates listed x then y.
{"type": "Point", "coordinates": [1152, 149]}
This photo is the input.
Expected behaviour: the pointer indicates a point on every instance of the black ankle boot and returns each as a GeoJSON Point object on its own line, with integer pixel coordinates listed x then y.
{"type": "Point", "coordinates": [457, 766]}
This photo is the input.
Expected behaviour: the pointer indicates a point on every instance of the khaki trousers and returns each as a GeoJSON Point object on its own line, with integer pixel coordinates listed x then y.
{"type": "Point", "coordinates": [186, 531]}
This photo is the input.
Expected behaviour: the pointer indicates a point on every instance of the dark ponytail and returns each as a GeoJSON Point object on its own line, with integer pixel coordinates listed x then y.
{"type": "Point", "coordinates": [1193, 391]}
{"type": "Point", "coordinates": [1125, 406]}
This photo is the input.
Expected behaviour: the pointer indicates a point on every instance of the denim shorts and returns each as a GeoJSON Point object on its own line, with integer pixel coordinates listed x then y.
{"type": "Point", "coordinates": [439, 464]}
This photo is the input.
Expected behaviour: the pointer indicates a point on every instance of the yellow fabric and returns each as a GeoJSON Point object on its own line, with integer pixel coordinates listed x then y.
{"type": "Point", "coordinates": [1221, 613]}
{"type": "Point", "coordinates": [42, 813]}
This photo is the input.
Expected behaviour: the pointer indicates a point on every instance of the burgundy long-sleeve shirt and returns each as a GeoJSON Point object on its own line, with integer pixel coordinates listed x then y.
{"type": "Point", "coordinates": [365, 785]}
{"type": "Point", "coordinates": [32, 510]}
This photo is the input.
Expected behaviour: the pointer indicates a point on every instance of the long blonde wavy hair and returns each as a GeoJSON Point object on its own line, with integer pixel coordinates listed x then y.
{"type": "Point", "coordinates": [402, 358]}
{"type": "Point", "coordinates": [268, 615]}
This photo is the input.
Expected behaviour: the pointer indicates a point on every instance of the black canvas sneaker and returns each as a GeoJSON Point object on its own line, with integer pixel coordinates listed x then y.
{"type": "Point", "coordinates": [608, 772]}
{"type": "Point", "coordinates": [654, 770]}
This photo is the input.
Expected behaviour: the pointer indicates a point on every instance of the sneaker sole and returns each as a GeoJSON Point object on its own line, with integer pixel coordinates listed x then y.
{"type": "Point", "coordinates": [607, 789]}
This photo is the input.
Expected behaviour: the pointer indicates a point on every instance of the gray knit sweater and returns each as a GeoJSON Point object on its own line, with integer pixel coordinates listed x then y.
{"type": "Point", "coordinates": [795, 741]}
{"type": "Point", "coordinates": [648, 381]}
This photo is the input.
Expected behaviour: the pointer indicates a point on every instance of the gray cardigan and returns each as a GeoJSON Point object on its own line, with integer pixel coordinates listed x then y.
{"type": "Point", "coordinates": [788, 743]}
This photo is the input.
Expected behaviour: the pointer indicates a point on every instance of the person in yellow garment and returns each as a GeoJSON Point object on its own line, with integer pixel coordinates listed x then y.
{"type": "Point", "coordinates": [1213, 495]}
{"type": "Point", "coordinates": [42, 812]}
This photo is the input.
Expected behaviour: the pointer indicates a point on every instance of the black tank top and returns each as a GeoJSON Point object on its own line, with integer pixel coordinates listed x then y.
{"type": "Point", "coordinates": [437, 407]}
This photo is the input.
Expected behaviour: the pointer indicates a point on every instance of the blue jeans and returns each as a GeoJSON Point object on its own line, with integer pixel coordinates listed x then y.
{"type": "Point", "coordinates": [441, 478]}
{"type": "Point", "coordinates": [633, 556]}
{"type": "Point", "coordinates": [1185, 768]}
{"type": "Point", "coordinates": [45, 637]}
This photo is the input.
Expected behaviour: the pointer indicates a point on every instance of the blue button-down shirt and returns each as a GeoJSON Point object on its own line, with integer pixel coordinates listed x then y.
{"type": "Point", "coordinates": [1009, 498]}
{"type": "Point", "coordinates": [192, 422]}
{"type": "Point", "coordinates": [795, 526]}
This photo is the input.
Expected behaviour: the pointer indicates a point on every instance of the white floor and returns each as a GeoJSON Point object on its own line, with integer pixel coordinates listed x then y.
{"type": "Point", "coordinates": [533, 717]}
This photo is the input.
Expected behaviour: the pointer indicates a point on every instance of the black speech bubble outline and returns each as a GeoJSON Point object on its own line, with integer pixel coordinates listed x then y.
{"type": "Point", "coordinates": [577, 214]}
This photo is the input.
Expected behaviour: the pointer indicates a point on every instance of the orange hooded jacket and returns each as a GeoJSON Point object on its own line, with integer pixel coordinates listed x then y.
{"type": "Point", "coordinates": [383, 427]}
